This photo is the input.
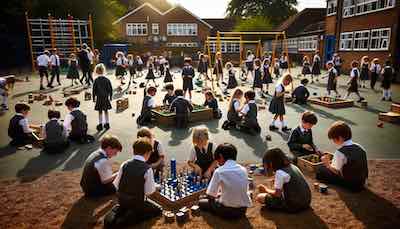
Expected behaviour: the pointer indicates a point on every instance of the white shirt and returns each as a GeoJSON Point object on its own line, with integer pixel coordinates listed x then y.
{"type": "Point", "coordinates": [55, 60]}
{"type": "Point", "coordinates": [333, 70]}
{"type": "Point", "coordinates": [250, 58]}
{"type": "Point", "coordinates": [121, 61]}
{"type": "Point", "coordinates": [43, 60]}
{"type": "Point", "coordinates": [278, 88]}
{"type": "Point", "coordinates": [90, 57]}
{"type": "Point", "coordinates": [281, 178]}
{"type": "Point", "coordinates": [378, 68]}
{"type": "Point", "coordinates": [231, 181]}
{"type": "Point", "coordinates": [193, 157]}
{"type": "Point", "coordinates": [246, 107]}
{"type": "Point", "coordinates": [104, 167]}
{"type": "Point", "coordinates": [151, 103]}
{"type": "Point", "coordinates": [339, 159]}
{"type": "Point", "coordinates": [316, 58]}
{"type": "Point", "coordinates": [236, 104]}
{"type": "Point", "coordinates": [68, 119]}
{"type": "Point", "coordinates": [352, 72]}
{"type": "Point", "coordinates": [25, 124]}
{"type": "Point", "coordinates": [149, 184]}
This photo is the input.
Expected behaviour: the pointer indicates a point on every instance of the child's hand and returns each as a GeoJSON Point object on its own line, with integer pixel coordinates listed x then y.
{"type": "Point", "coordinates": [207, 174]}
{"type": "Point", "coordinates": [326, 160]}
{"type": "Point", "coordinates": [307, 147]}
{"type": "Point", "coordinates": [197, 170]}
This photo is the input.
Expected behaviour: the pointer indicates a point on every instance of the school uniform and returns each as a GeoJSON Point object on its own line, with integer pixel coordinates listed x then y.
{"type": "Point", "coordinates": [337, 64]}
{"type": "Point", "coordinates": [375, 70]}
{"type": "Point", "coordinates": [213, 104]}
{"type": "Point", "coordinates": [300, 95]}
{"type": "Point", "coordinates": [145, 114]}
{"type": "Point", "coordinates": [73, 72]}
{"type": "Point", "coordinates": [354, 74]}
{"type": "Point", "coordinates": [55, 137]}
{"type": "Point", "coordinates": [332, 82]}
{"type": "Point", "coordinates": [150, 72]}
{"type": "Point", "coordinates": [168, 76]}
{"type": "Point", "coordinates": [276, 70]}
{"type": "Point", "coordinates": [351, 162]}
{"type": "Point", "coordinates": [102, 93]}
{"type": "Point", "coordinates": [203, 67]}
{"type": "Point", "coordinates": [233, 115]}
{"type": "Point", "coordinates": [257, 82]}
{"type": "Point", "coordinates": [155, 157]}
{"type": "Point", "coordinates": [250, 62]}
{"type": "Point", "coordinates": [232, 82]}
{"type": "Point", "coordinates": [283, 63]}
{"type": "Point", "coordinates": [132, 64]}
{"type": "Point", "coordinates": [134, 182]}
{"type": "Point", "coordinates": [187, 77]}
{"type": "Point", "coordinates": [316, 66]}
{"type": "Point", "coordinates": [277, 105]}
{"type": "Point", "coordinates": [387, 76]}
{"type": "Point", "coordinates": [43, 63]}
{"type": "Point", "coordinates": [203, 157]}
{"type": "Point", "coordinates": [306, 68]}
{"type": "Point", "coordinates": [19, 131]}
{"type": "Point", "coordinates": [168, 99]}
{"type": "Point", "coordinates": [229, 186]}
{"type": "Point", "coordinates": [162, 66]}
{"type": "Point", "coordinates": [182, 108]}
{"type": "Point", "coordinates": [120, 69]}
{"type": "Point", "coordinates": [297, 139]}
{"type": "Point", "coordinates": [218, 69]}
{"type": "Point", "coordinates": [76, 124]}
{"type": "Point", "coordinates": [55, 68]}
{"type": "Point", "coordinates": [296, 194]}
{"type": "Point", "coordinates": [267, 78]}
{"type": "Point", "coordinates": [249, 122]}
{"type": "Point", "coordinates": [3, 93]}
{"type": "Point", "coordinates": [364, 71]}
{"type": "Point", "coordinates": [97, 168]}
{"type": "Point", "coordinates": [140, 65]}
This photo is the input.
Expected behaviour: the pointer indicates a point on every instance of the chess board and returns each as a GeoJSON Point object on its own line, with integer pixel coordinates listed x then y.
{"type": "Point", "coordinates": [331, 102]}
{"type": "Point", "coordinates": [200, 113]}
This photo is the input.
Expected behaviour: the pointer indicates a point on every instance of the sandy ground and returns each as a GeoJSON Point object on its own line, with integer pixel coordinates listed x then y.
{"type": "Point", "coordinates": [56, 201]}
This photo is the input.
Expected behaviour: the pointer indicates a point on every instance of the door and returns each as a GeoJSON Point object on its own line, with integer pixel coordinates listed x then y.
{"type": "Point", "coordinates": [330, 41]}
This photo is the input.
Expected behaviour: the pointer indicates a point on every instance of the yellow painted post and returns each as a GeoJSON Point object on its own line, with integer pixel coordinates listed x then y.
{"type": "Point", "coordinates": [209, 53]}
{"type": "Point", "coordinates": [91, 31]}
{"type": "Point", "coordinates": [218, 48]}
{"type": "Point", "coordinates": [28, 27]}
{"type": "Point", "coordinates": [274, 50]}
{"type": "Point", "coordinates": [286, 49]}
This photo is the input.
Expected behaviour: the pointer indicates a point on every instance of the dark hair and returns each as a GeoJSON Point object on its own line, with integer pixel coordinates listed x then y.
{"type": "Point", "coordinates": [257, 62]}
{"type": "Point", "coordinates": [250, 94]}
{"type": "Point", "coordinates": [151, 89]}
{"type": "Point", "coordinates": [309, 117]}
{"type": "Point", "coordinates": [53, 114]}
{"type": "Point", "coordinates": [188, 60]}
{"type": "Point", "coordinates": [169, 86]}
{"type": "Point", "coordinates": [277, 158]}
{"type": "Point", "coordinates": [144, 132]}
{"type": "Point", "coordinates": [142, 146]}
{"type": "Point", "coordinates": [178, 92]}
{"type": "Point", "coordinates": [388, 63]}
{"type": "Point", "coordinates": [339, 129]}
{"type": "Point", "coordinates": [110, 141]}
{"type": "Point", "coordinates": [304, 81]}
{"type": "Point", "coordinates": [72, 102]}
{"type": "Point", "coordinates": [227, 151]}
{"type": "Point", "coordinates": [21, 107]}
{"type": "Point", "coordinates": [209, 93]}
{"type": "Point", "coordinates": [354, 64]}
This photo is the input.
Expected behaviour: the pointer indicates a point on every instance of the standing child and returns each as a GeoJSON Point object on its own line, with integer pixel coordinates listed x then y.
{"type": "Point", "coordinates": [306, 66]}
{"type": "Point", "coordinates": [147, 105]}
{"type": "Point", "coordinates": [332, 79]}
{"type": "Point", "coordinates": [182, 107]}
{"type": "Point", "coordinates": [212, 103]}
{"type": "Point", "coordinates": [121, 64]}
{"type": "Point", "coordinates": [157, 156]}
{"type": "Point", "coordinates": [187, 77]}
{"type": "Point", "coordinates": [170, 96]}
{"type": "Point", "coordinates": [19, 129]}
{"type": "Point", "coordinates": [132, 65]}
{"type": "Point", "coordinates": [150, 72]}
{"type": "Point", "coordinates": [349, 166]}
{"type": "Point", "coordinates": [55, 67]}
{"type": "Point", "coordinates": [73, 72]}
{"type": "Point", "coordinates": [375, 71]}
{"type": "Point", "coordinates": [337, 63]}
{"type": "Point", "coordinates": [291, 192]}
{"type": "Point", "coordinates": [276, 68]}
{"type": "Point", "coordinates": [387, 76]}
{"type": "Point", "coordinates": [102, 95]}
{"type": "Point", "coordinates": [139, 66]}
{"type": "Point", "coordinates": [203, 67]}
{"type": "Point", "coordinates": [267, 78]}
{"type": "Point", "coordinates": [249, 64]}
{"type": "Point", "coordinates": [353, 82]}
{"type": "Point", "coordinates": [301, 93]}
{"type": "Point", "coordinates": [162, 61]}
{"type": "Point", "coordinates": [168, 75]}
{"type": "Point", "coordinates": [76, 122]}
{"type": "Point", "coordinates": [234, 109]}
{"type": "Point", "coordinates": [257, 82]}
{"type": "Point", "coordinates": [218, 68]}
{"type": "Point", "coordinates": [232, 82]}
{"type": "Point", "coordinates": [43, 62]}
{"type": "Point", "coordinates": [54, 134]}
{"type": "Point", "coordinates": [201, 158]}
{"type": "Point", "coordinates": [316, 67]}
{"type": "Point", "coordinates": [277, 105]}
{"type": "Point", "coordinates": [249, 122]}
{"type": "Point", "coordinates": [284, 63]}
{"type": "Point", "coordinates": [4, 93]}
{"type": "Point", "coordinates": [364, 76]}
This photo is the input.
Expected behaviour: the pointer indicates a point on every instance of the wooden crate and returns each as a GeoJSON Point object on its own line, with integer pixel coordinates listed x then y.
{"type": "Point", "coordinates": [198, 114]}
{"type": "Point", "coordinates": [39, 97]}
{"type": "Point", "coordinates": [306, 165]}
{"type": "Point", "coordinates": [169, 205]}
{"type": "Point", "coordinates": [37, 137]}
{"type": "Point", "coordinates": [330, 102]}
{"type": "Point", "coordinates": [395, 107]}
{"type": "Point", "coordinates": [122, 104]}
{"type": "Point", "coordinates": [391, 117]}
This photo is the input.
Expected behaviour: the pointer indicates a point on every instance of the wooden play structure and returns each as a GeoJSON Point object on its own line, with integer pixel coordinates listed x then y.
{"type": "Point", "coordinates": [393, 116]}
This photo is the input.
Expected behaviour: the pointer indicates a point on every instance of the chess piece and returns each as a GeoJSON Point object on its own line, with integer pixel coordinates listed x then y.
{"type": "Point", "coordinates": [316, 186]}
{"type": "Point", "coordinates": [195, 210]}
{"type": "Point", "coordinates": [323, 188]}
{"type": "Point", "coordinates": [169, 217]}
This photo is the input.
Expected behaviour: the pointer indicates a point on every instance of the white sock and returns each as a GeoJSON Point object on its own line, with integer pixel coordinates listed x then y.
{"type": "Point", "coordinates": [106, 117]}
{"type": "Point", "coordinates": [273, 122]}
{"type": "Point", "coordinates": [278, 123]}
{"type": "Point", "coordinates": [100, 117]}
{"type": "Point", "coordinates": [285, 123]}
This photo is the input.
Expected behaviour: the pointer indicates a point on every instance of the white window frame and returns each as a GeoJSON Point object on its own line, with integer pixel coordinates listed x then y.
{"type": "Point", "coordinates": [348, 39]}
{"type": "Point", "coordinates": [331, 8]}
{"type": "Point", "coordinates": [358, 41]}
{"type": "Point", "coordinates": [136, 29]}
{"type": "Point", "coordinates": [155, 28]}
{"type": "Point", "coordinates": [182, 29]}
{"type": "Point", "coordinates": [358, 4]}
{"type": "Point", "coordinates": [348, 6]}
{"type": "Point", "coordinates": [309, 43]}
{"type": "Point", "coordinates": [380, 39]}
{"type": "Point", "coordinates": [183, 44]}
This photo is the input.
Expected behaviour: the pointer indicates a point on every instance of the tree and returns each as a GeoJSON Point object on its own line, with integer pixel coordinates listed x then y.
{"type": "Point", "coordinates": [276, 10]}
{"type": "Point", "coordinates": [257, 23]}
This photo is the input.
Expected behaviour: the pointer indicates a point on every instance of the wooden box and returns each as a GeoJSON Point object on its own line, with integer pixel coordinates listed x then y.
{"type": "Point", "coordinates": [331, 102]}
{"type": "Point", "coordinates": [37, 137]}
{"type": "Point", "coordinates": [309, 163]}
{"type": "Point", "coordinates": [391, 117]}
{"type": "Point", "coordinates": [39, 97]}
{"type": "Point", "coordinates": [199, 114]}
{"type": "Point", "coordinates": [122, 104]}
{"type": "Point", "coordinates": [167, 204]}
{"type": "Point", "coordinates": [88, 96]}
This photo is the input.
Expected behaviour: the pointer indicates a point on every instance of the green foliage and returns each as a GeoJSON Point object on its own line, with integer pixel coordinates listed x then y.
{"type": "Point", "coordinates": [257, 23]}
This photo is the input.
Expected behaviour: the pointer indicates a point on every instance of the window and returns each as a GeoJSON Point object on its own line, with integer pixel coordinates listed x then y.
{"type": "Point", "coordinates": [155, 29]}
{"type": "Point", "coordinates": [361, 40]}
{"type": "Point", "coordinates": [332, 7]}
{"type": "Point", "coordinates": [359, 7]}
{"type": "Point", "coordinates": [309, 43]}
{"type": "Point", "coordinates": [346, 41]}
{"type": "Point", "coordinates": [292, 43]}
{"type": "Point", "coordinates": [183, 45]}
{"type": "Point", "coordinates": [349, 8]}
{"type": "Point", "coordinates": [380, 39]}
{"type": "Point", "coordinates": [226, 47]}
{"type": "Point", "coordinates": [181, 29]}
{"type": "Point", "coordinates": [136, 29]}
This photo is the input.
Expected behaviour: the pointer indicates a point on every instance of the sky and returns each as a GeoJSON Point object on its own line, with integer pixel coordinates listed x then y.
{"type": "Point", "coordinates": [216, 8]}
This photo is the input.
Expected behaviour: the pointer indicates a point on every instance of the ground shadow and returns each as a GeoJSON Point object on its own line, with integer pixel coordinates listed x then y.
{"type": "Point", "coordinates": [46, 91]}
{"type": "Point", "coordinates": [329, 115]}
{"type": "Point", "coordinates": [218, 222]}
{"type": "Point", "coordinates": [256, 142]}
{"type": "Point", "coordinates": [177, 135]}
{"type": "Point", "coordinates": [213, 125]}
{"type": "Point", "coordinates": [7, 150]}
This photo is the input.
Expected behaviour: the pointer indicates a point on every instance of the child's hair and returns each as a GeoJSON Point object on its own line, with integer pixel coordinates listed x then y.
{"type": "Point", "coordinates": [21, 107]}
{"type": "Point", "coordinates": [144, 132]}
{"type": "Point", "coordinates": [287, 77]}
{"type": "Point", "coordinates": [72, 102]}
{"type": "Point", "coordinates": [304, 81]}
{"type": "Point", "coordinates": [277, 158]}
{"type": "Point", "coordinates": [129, 56]}
{"type": "Point", "coordinates": [201, 56]}
{"type": "Point", "coordinates": [266, 61]}
{"type": "Point", "coordinates": [151, 90]}
{"type": "Point", "coordinates": [199, 134]}
{"type": "Point", "coordinates": [142, 146]}
{"type": "Point", "coordinates": [236, 93]}
{"type": "Point", "coordinates": [309, 117]}
{"type": "Point", "coordinates": [329, 63]}
{"type": "Point", "coordinates": [364, 58]}
{"type": "Point", "coordinates": [119, 53]}
{"type": "Point", "coordinates": [169, 86]}
{"type": "Point", "coordinates": [227, 151]}
{"type": "Point", "coordinates": [53, 114]}
{"type": "Point", "coordinates": [100, 69]}
{"type": "Point", "coordinates": [178, 92]}
{"type": "Point", "coordinates": [187, 60]}
{"type": "Point", "coordinates": [305, 58]}
{"type": "Point", "coordinates": [110, 141]}
{"type": "Point", "coordinates": [354, 64]}
{"type": "Point", "coordinates": [257, 62]}
{"type": "Point", "coordinates": [228, 65]}
{"type": "Point", "coordinates": [72, 55]}
{"type": "Point", "coordinates": [250, 94]}
{"type": "Point", "coordinates": [375, 60]}
{"type": "Point", "coordinates": [209, 94]}
{"type": "Point", "coordinates": [248, 52]}
{"type": "Point", "coordinates": [339, 129]}
{"type": "Point", "coordinates": [388, 63]}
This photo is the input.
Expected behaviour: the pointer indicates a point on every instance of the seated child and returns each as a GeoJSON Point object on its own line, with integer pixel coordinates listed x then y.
{"type": "Point", "coordinates": [227, 191]}
{"type": "Point", "coordinates": [54, 134]}
{"type": "Point", "coordinates": [201, 158]}
{"type": "Point", "coordinates": [147, 104]}
{"type": "Point", "coordinates": [212, 103]}
{"type": "Point", "coordinates": [349, 166]}
{"type": "Point", "coordinates": [134, 182]}
{"type": "Point", "coordinates": [97, 177]}
{"type": "Point", "coordinates": [291, 192]}
{"type": "Point", "coordinates": [301, 139]}
{"type": "Point", "coordinates": [76, 122]}
{"type": "Point", "coordinates": [249, 122]}
{"type": "Point", "coordinates": [19, 129]}
{"type": "Point", "coordinates": [301, 93]}
{"type": "Point", "coordinates": [233, 110]}
{"type": "Point", "coordinates": [170, 96]}
{"type": "Point", "coordinates": [181, 107]}
{"type": "Point", "coordinates": [156, 159]}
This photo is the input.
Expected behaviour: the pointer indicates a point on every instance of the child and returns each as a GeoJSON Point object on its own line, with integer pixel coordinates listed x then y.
{"type": "Point", "coordinates": [134, 183]}
{"type": "Point", "coordinates": [306, 66]}
{"type": "Point", "coordinates": [156, 159]}
{"type": "Point", "coordinates": [43, 62]}
{"type": "Point", "coordinates": [316, 67]}
{"type": "Point", "coordinates": [234, 109]}
{"type": "Point", "coordinates": [218, 68]}
{"type": "Point", "coordinates": [211, 102]}
{"type": "Point", "coordinates": [55, 68]}
{"type": "Point", "coordinates": [301, 93]}
{"type": "Point", "coordinates": [248, 113]}
{"type": "Point", "coordinates": [150, 72]}
{"type": "Point", "coordinates": [76, 122]}
{"type": "Point", "coordinates": [73, 72]}
{"type": "Point", "coordinates": [301, 139]}
{"type": "Point", "coordinates": [170, 96]}
{"type": "Point", "coordinates": [337, 63]}
{"type": "Point", "coordinates": [277, 105]}
{"type": "Point", "coordinates": [168, 76]}
{"type": "Point", "coordinates": [353, 82]}
{"type": "Point", "coordinates": [4, 93]}
{"type": "Point", "coordinates": [102, 95]}
{"type": "Point", "coordinates": [121, 63]}
{"type": "Point", "coordinates": [162, 62]}
{"type": "Point", "coordinates": [249, 64]}
{"type": "Point", "coordinates": [147, 104]}
{"type": "Point", "coordinates": [349, 166]}
{"type": "Point", "coordinates": [227, 192]}
{"type": "Point", "coordinates": [291, 192]}
{"type": "Point", "coordinates": [132, 64]}
{"type": "Point", "coordinates": [267, 78]}
{"type": "Point", "coordinates": [375, 70]}
{"type": "Point", "coordinates": [203, 67]}
{"type": "Point", "coordinates": [187, 77]}
{"type": "Point", "coordinates": [139, 66]}
{"type": "Point", "coordinates": [284, 63]}
{"type": "Point", "coordinates": [97, 177]}
{"type": "Point", "coordinates": [332, 79]}
{"type": "Point", "coordinates": [19, 129]}
{"type": "Point", "coordinates": [387, 76]}
{"type": "Point", "coordinates": [54, 134]}
{"type": "Point", "coordinates": [276, 68]}
{"type": "Point", "coordinates": [232, 82]}
{"type": "Point", "coordinates": [364, 76]}
{"type": "Point", "coordinates": [257, 82]}
{"type": "Point", "coordinates": [201, 158]}
{"type": "Point", "coordinates": [181, 107]}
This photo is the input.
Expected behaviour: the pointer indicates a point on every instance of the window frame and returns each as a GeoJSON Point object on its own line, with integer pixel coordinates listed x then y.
{"type": "Point", "coordinates": [308, 43]}
{"type": "Point", "coordinates": [182, 29]}
{"type": "Point", "coordinates": [328, 8]}
{"type": "Point", "coordinates": [380, 39]}
{"type": "Point", "coordinates": [360, 40]}
{"type": "Point", "coordinates": [155, 26]}
{"type": "Point", "coordinates": [136, 29]}
{"type": "Point", "coordinates": [359, 3]}
{"type": "Point", "coordinates": [347, 39]}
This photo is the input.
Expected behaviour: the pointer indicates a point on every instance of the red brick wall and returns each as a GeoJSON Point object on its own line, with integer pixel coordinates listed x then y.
{"type": "Point", "coordinates": [330, 25]}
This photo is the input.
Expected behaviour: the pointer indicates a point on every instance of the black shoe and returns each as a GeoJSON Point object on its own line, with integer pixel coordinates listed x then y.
{"type": "Point", "coordinates": [272, 128]}
{"type": "Point", "coordinates": [286, 129]}
{"type": "Point", "coordinates": [50, 86]}
{"type": "Point", "coordinates": [41, 88]}
{"type": "Point", "coordinates": [268, 137]}
{"type": "Point", "coordinates": [383, 99]}
{"type": "Point", "coordinates": [390, 99]}
{"type": "Point", "coordinates": [134, 82]}
{"type": "Point", "coordinates": [360, 100]}
{"type": "Point", "coordinates": [99, 127]}
{"type": "Point", "coordinates": [107, 126]}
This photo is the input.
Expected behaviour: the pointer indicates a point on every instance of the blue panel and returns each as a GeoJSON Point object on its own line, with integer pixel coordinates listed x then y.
{"type": "Point", "coordinates": [329, 47]}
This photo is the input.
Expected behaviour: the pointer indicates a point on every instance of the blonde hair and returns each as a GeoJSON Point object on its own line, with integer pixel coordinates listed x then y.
{"type": "Point", "coordinates": [129, 56]}
{"type": "Point", "coordinates": [228, 65]}
{"type": "Point", "coordinates": [235, 94]}
{"type": "Point", "coordinates": [200, 134]}
{"type": "Point", "coordinates": [100, 69]}
{"type": "Point", "coordinates": [286, 77]}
